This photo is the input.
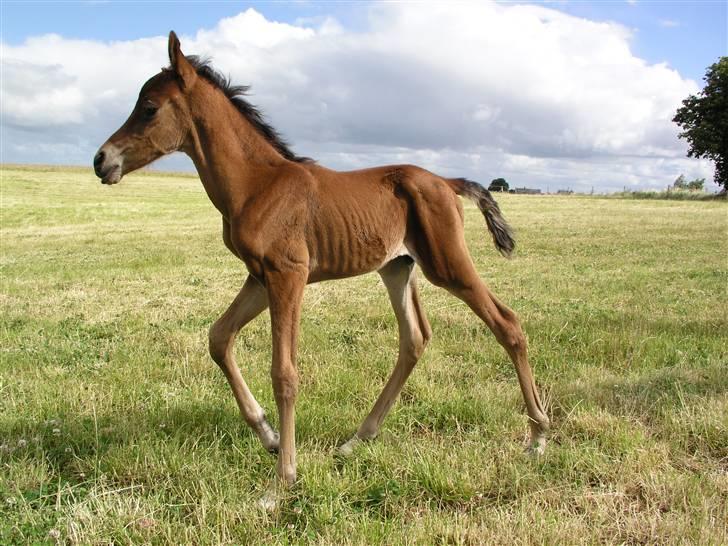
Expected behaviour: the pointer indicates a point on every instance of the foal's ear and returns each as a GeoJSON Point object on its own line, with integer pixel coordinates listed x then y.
{"type": "Point", "coordinates": [185, 72]}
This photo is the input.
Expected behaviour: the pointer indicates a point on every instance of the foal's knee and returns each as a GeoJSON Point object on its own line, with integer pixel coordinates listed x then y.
{"type": "Point", "coordinates": [285, 382]}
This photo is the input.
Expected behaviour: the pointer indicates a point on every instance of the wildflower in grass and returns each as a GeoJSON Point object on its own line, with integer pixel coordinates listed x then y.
{"type": "Point", "coordinates": [22, 443]}
{"type": "Point", "coordinates": [56, 431]}
{"type": "Point", "coordinates": [55, 534]}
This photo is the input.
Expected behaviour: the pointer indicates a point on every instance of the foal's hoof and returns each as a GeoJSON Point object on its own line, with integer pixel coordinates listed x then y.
{"type": "Point", "coordinates": [269, 437]}
{"type": "Point", "coordinates": [272, 444]}
{"type": "Point", "coordinates": [537, 447]}
{"type": "Point", "coordinates": [347, 448]}
{"type": "Point", "coordinates": [269, 501]}
{"type": "Point", "coordinates": [278, 491]}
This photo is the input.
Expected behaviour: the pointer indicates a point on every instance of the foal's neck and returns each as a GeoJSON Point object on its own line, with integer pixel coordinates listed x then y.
{"type": "Point", "coordinates": [232, 158]}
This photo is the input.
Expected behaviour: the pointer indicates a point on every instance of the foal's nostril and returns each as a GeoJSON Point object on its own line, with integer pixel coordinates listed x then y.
{"type": "Point", "coordinates": [98, 159]}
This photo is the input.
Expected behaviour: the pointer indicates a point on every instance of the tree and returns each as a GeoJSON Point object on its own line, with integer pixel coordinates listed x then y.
{"type": "Point", "coordinates": [704, 120]}
{"type": "Point", "coordinates": [680, 183]}
{"type": "Point", "coordinates": [697, 184]}
{"type": "Point", "coordinates": [498, 184]}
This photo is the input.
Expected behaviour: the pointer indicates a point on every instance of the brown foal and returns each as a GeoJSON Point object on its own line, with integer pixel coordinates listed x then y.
{"type": "Point", "coordinates": [293, 222]}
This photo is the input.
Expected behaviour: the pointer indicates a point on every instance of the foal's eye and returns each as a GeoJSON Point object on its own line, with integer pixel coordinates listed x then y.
{"type": "Point", "coordinates": [149, 110]}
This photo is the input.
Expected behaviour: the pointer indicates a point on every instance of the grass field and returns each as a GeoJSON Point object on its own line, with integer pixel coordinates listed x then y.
{"type": "Point", "coordinates": [117, 427]}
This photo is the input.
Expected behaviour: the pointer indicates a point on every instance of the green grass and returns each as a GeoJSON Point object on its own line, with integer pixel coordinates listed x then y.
{"type": "Point", "coordinates": [677, 195]}
{"type": "Point", "coordinates": [115, 425]}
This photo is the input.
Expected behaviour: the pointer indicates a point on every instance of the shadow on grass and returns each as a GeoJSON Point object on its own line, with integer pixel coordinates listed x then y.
{"type": "Point", "coordinates": [650, 393]}
{"type": "Point", "coordinates": [674, 404]}
{"type": "Point", "coordinates": [77, 447]}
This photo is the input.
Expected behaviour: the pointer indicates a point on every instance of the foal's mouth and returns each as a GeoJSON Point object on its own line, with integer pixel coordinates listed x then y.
{"type": "Point", "coordinates": [112, 176]}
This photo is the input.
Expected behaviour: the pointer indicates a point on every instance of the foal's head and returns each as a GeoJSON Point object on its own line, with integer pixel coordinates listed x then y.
{"type": "Point", "coordinates": [158, 125]}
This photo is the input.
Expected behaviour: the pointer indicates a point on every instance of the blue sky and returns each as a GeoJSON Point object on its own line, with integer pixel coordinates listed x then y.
{"type": "Point", "coordinates": [546, 94]}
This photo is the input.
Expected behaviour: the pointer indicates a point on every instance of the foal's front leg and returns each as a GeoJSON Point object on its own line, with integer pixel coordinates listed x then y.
{"type": "Point", "coordinates": [285, 293]}
{"type": "Point", "coordinates": [249, 303]}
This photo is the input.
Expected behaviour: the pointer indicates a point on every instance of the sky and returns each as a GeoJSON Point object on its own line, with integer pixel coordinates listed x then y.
{"type": "Point", "coordinates": [550, 95]}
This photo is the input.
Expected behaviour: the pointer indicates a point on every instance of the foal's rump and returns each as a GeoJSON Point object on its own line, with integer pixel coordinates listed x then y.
{"type": "Point", "coordinates": [435, 228]}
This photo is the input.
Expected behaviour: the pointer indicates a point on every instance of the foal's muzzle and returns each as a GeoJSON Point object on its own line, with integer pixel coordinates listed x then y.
{"type": "Point", "coordinates": [107, 164]}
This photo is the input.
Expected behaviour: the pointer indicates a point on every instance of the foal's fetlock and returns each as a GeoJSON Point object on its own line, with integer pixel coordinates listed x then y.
{"type": "Point", "coordinates": [273, 497]}
{"type": "Point", "coordinates": [347, 448]}
{"type": "Point", "coordinates": [272, 444]}
{"type": "Point", "coordinates": [536, 446]}
{"type": "Point", "coordinates": [268, 436]}
{"type": "Point", "coordinates": [285, 474]}
{"type": "Point", "coordinates": [539, 432]}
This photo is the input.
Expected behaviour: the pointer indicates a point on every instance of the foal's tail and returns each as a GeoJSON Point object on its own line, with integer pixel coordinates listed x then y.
{"type": "Point", "coordinates": [498, 227]}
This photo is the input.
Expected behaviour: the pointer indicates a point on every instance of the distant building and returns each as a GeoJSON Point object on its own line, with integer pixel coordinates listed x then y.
{"type": "Point", "coordinates": [564, 192]}
{"type": "Point", "coordinates": [531, 191]}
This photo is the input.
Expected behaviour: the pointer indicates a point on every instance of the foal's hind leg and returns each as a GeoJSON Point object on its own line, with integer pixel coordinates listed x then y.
{"type": "Point", "coordinates": [414, 333]}
{"type": "Point", "coordinates": [507, 329]}
{"type": "Point", "coordinates": [248, 304]}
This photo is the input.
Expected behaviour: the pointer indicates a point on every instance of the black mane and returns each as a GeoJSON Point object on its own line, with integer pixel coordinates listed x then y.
{"type": "Point", "coordinates": [236, 95]}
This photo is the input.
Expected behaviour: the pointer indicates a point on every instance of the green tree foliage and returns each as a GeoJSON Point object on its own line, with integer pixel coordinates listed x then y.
{"type": "Point", "coordinates": [681, 183]}
{"type": "Point", "coordinates": [498, 184]}
{"type": "Point", "coordinates": [696, 185]}
{"type": "Point", "coordinates": [704, 120]}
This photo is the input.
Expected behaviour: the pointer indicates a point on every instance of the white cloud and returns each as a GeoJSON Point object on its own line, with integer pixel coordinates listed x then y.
{"type": "Point", "coordinates": [473, 89]}
{"type": "Point", "coordinates": [36, 95]}
{"type": "Point", "coordinates": [251, 28]}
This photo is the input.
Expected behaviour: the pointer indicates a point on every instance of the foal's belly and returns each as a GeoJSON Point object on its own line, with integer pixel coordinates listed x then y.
{"type": "Point", "coordinates": [355, 248]}
{"type": "Point", "coordinates": [357, 260]}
